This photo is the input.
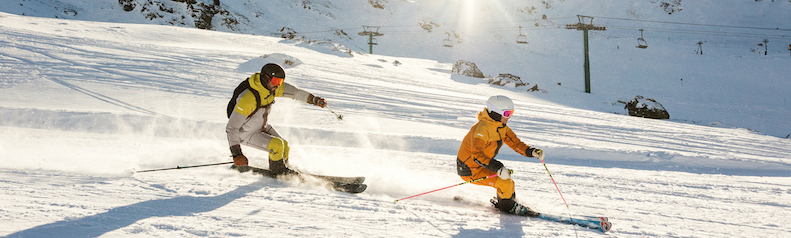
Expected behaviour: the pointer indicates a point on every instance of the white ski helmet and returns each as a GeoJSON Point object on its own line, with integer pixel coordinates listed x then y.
{"type": "Point", "coordinates": [501, 105]}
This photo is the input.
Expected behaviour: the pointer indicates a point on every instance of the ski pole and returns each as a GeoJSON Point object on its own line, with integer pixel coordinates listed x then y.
{"type": "Point", "coordinates": [561, 194]}
{"type": "Point", "coordinates": [340, 117]}
{"type": "Point", "coordinates": [471, 181]}
{"type": "Point", "coordinates": [183, 167]}
{"type": "Point", "coordinates": [556, 184]}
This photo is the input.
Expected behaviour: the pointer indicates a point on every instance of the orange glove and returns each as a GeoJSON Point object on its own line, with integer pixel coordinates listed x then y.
{"type": "Point", "coordinates": [238, 158]}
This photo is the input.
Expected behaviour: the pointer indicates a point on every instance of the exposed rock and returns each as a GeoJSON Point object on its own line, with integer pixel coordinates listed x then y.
{"type": "Point", "coordinates": [536, 89]}
{"type": "Point", "coordinates": [428, 25]}
{"type": "Point", "coordinates": [467, 68]}
{"type": "Point", "coordinates": [378, 3]}
{"type": "Point", "coordinates": [128, 5]}
{"type": "Point", "coordinates": [646, 107]}
{"type": "Point", "coordinates": [510, 80]}
{"type": "Point", "coordinates": [288, 33]}
{"type": "Point", "coordinates": [201, 14]}
{"type": "Point", "coordinates": [507, 80]}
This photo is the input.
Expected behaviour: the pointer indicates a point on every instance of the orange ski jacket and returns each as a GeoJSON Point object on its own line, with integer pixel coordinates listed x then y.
{"type": "Point", "coordinates": [481, 145]}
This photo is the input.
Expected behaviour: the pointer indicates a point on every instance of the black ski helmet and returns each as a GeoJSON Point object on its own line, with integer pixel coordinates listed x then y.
{"type": "Point", "coordinates": [272, 69]}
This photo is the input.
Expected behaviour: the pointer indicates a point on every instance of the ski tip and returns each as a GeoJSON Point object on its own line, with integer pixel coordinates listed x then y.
{"type": "Point", "coordinates": [132, 171]}
{"type": "Point", "coordinates": [605, 225]}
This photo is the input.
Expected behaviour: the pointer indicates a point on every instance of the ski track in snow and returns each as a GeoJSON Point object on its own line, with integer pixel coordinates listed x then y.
{"type": "Point", "coordinates": [110, 106]}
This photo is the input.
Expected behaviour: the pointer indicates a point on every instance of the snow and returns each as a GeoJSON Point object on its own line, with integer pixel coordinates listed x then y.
{"type": "Point", "coordinates": [85, 101]}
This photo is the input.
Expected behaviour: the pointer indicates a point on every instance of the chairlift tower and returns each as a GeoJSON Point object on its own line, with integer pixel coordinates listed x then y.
{"type": "Point", "coordinates": [766, 46]}
{"type": "Point", "coordinates": [586, 24]}
{"type": "Point", "coordinates": [370, 31]}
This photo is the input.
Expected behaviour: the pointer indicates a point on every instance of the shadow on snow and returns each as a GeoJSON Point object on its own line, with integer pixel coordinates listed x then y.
{"type": "Point", "coordinates": [99, 224]}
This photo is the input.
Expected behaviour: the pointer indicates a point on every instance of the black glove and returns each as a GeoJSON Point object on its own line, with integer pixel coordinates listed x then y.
{"type": "Point", "coordinates": [535, 152]}
{"type": "Point", "coordinates": [318, 101]}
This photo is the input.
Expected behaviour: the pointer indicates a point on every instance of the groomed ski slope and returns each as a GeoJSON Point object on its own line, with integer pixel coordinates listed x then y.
{"type": "Point", "coordinates": [83, 104]}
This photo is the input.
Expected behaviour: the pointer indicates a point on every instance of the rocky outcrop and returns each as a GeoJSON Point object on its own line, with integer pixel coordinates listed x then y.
{"type": "Point", "coordinates": [646, 107]}
{"type": "Point", "coordinates": [467, 68]}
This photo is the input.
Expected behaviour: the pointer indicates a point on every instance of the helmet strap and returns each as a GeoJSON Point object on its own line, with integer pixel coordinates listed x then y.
{"type": "Point", "coordinates": [495, 116]}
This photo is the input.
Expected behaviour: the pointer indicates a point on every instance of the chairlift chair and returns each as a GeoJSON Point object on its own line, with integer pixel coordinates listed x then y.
{"type": "Point", "coordinates": [641, 42]}
{"type": "Point", "coordinates": [447, 42]}
{"type": "Point", "coordinates": [521, 38]}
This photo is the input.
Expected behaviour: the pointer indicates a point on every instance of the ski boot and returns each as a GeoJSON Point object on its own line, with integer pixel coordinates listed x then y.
{"type": "Point", "coordinates": [512, 207]}
{"type": "Point", "coordinates": [241, 169]}
{"type": "Point", "coordinates": [281, 167]}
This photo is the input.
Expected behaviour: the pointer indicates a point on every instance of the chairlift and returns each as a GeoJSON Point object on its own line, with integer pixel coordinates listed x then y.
{"type": "Point", "coordinates": [521, 38]}
{"type": "Point", "coordinates": [373, 42]}
{"type": "Point", "coordinates": [447, 42]}
{"type": "Point", "coordinates": [641, 42]}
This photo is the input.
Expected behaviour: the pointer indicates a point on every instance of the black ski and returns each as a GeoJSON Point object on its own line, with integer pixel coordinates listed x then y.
{"type": "Point", "coordinates": [342, 184]}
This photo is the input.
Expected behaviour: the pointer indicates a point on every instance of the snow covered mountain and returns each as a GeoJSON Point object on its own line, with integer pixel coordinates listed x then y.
{"type": "Point", "coordinates": [486, 32]}
{"type": "Point", "coordinates": [86, 100]}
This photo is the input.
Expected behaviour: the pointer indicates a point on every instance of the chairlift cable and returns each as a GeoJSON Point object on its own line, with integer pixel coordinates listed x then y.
{"type": "Point", "coordinates": [698, 32]}
{"type": "Point", "coordinates": [502, 26]}
{"type": "Point", "coordinates": [695, 24]}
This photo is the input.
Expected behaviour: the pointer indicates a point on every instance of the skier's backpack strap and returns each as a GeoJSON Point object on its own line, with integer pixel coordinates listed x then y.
{"type": "Point", "coordinates": [245, 85]}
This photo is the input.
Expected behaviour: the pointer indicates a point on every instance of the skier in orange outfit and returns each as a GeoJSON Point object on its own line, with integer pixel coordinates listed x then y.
{"type": "Point", "coordinates": [475, 158]}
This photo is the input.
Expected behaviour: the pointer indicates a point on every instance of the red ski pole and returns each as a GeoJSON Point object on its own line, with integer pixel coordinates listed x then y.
{"type": "Point", "coordinates": [556, 184]}
{"type": "Point", "coordinates": [471, 181]}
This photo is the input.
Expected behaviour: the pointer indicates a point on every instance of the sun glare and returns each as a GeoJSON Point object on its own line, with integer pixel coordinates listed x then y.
{"type": "Point", "coordinates": [475, 14]}
{"type": "Point", "coordinates": [468, 15]}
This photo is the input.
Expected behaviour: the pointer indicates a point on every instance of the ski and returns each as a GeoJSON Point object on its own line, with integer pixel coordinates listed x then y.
{"type": "Point", "coordinates": [341, 184]}
{"type": "Point", "coordinates": [350, 180]}
{"type": "Point", "coordinates": [599, 223]}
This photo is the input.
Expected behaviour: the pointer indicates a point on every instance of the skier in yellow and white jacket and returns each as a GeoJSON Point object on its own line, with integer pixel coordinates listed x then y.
{"type": "Point", "coordinates": [249, 110]}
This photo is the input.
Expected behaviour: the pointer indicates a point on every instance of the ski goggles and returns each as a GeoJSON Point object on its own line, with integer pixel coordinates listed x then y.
{"type": "Point", "coordinates": [508, 113]}
{"type": "Point", "coordinates": [276, 81]}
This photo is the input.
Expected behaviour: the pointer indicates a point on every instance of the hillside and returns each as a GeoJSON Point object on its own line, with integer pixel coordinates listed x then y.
{"type": "Point", "coordinates": [750, 88]}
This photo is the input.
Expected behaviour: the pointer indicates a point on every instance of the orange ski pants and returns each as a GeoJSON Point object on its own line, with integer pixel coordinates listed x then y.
{"type": "Point", "coordinates": [505, 187]}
